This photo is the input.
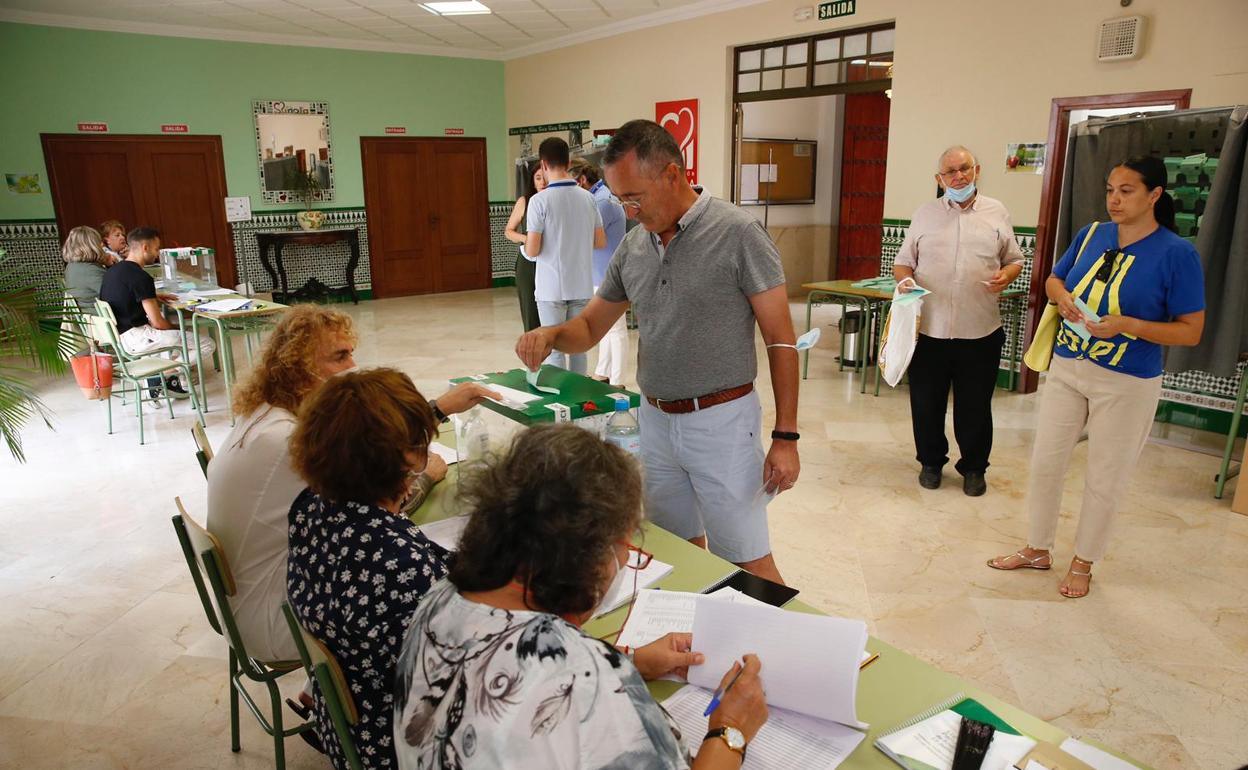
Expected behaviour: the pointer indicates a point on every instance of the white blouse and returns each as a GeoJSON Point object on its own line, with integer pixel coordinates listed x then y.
{"type": "Point", "coordinates": [251, 486]}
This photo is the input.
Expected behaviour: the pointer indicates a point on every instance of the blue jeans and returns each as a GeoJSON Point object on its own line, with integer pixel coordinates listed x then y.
{"type": "Point", "coordinates": [553, 313]}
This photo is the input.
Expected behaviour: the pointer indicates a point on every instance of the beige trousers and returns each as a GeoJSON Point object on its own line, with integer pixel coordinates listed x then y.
{"type": "Point", "coordinates": [1117, 410]}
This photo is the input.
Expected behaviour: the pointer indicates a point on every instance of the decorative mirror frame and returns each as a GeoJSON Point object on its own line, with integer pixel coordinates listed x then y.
{"type": "Point", "coordinates": [280, 107]}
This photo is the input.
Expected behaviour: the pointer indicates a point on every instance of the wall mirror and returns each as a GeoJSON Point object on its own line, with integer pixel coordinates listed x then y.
{"type": "Point", "coordinates": [292, 139]}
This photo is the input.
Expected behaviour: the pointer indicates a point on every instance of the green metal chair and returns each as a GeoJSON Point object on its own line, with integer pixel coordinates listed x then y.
{"type": "Point", "coordinates": [203, 449]}
{"type": "Point", "coordinates": [324, 667]}
{"type": "Point", "coordinates": [137, 370]}
{"type": "Point", "coordinates": [205, 558]}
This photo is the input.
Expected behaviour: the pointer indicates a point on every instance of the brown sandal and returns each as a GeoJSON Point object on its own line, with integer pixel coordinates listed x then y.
{"type": "Point", "coordinates": [1028, 562]}
{"type": "Point", "coordinates": [1062, 589]}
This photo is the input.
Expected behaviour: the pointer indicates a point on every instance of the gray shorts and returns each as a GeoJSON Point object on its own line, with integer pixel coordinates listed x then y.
{"type": "Point", "coordinates": [704, 476]}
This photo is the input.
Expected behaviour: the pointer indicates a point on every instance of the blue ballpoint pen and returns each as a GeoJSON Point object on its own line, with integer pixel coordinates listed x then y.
{"type": "Point", "coordinates": [718, 695]}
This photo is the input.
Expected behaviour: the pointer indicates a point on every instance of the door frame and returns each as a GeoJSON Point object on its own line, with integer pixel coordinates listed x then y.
{"type": "Point", "coordinates": [227, 270]}
{"type": "Point", "coordinates": [378, 287]}
{"type": "Point", "coordinates": [1051, 191]}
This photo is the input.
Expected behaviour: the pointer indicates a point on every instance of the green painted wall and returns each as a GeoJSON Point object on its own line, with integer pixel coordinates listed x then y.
{"type": "Point", "coordinates": [54, 78]}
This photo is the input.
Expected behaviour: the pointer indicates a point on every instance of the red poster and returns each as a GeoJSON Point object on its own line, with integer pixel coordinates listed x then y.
{"type": "Point", "coordinates": [680, 118]}
{"type": "Point", "coordinates": [93, 128]}
{"type": "Point", "coordinates": [396, 129]}
{"type": "Point", "coordinates": [174, 128]}
{"type": "Point", "coordinates": [453, 131]}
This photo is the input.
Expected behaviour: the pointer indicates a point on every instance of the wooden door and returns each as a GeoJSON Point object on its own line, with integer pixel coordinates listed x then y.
{"type": "Point", "coordinates": [428, 221]}
{"type": "Point", "coordinates": [173, 183]}
{"type": "Point", "coordinates": [863, 164]}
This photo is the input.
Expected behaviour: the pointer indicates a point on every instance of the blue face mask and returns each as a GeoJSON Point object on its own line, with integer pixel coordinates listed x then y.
{"type": "Point", "coordinates": [960, 195]}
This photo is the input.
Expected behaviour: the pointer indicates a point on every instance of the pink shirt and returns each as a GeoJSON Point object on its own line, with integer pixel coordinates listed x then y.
{"type": "Point", "coordinates": [952, 250]}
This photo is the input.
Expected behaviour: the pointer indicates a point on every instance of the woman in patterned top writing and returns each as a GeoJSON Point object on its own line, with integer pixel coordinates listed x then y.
{"type": "Point", "coordinates": [496, 671]}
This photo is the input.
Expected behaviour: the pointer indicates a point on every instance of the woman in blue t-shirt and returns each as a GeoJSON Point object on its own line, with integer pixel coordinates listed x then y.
{"type": "Point", "coordinates": [1124, 289]}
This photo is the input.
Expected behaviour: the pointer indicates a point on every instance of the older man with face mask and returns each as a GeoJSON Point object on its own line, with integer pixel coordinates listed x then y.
{"type": "Point", "coordinates": [961, 247]}
{"type": "Point", "coordinates": [701, 273]}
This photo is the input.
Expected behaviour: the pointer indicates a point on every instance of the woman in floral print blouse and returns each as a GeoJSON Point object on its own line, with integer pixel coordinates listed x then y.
{"type": "Point", "coordinates": [357, 567]}
{"type": "Point", "coordinates": [496, 671]}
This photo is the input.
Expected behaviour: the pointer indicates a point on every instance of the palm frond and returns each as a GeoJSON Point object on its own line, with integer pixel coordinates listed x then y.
{"type": "Point", "coordinates": [31, 342]}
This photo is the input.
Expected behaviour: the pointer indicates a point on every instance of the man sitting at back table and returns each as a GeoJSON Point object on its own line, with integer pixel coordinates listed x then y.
{"type": "Point", "coordinates": [131, 293]}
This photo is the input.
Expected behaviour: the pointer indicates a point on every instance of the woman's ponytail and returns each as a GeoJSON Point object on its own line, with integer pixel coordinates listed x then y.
{"type": "Point", "coordinates": [1153, 170]}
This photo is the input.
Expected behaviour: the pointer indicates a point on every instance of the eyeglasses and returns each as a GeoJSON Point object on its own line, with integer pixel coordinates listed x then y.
{"type": "Point", "coordinates": [965, 170]}
{"type": "Point", "coordinates": [638, 558]}
{"type": "Point", "coordinates": [1108, 263]}
{"type": "Point", "coordinates": [629, 205]}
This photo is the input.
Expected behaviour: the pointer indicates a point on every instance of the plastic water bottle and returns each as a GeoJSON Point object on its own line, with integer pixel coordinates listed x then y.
{"type": "Point", "coordinates": [473, 442]}
{"type": "Point", "coordinates": [623, 430]}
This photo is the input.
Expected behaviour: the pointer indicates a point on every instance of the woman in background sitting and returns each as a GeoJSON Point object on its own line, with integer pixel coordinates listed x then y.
{"type": "Point", "coordinates": [113, 234]}
{"type": "Point", "coordinates": [85, 262]}
{"type": "Point", "coordinates": [496, 671]}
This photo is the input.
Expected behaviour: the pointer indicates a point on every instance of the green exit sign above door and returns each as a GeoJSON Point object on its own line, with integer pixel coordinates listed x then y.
{"type": "Point", "coordinates": [837, 8]}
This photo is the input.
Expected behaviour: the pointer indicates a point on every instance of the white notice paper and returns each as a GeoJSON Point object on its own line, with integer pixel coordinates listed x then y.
{"type": "Point", "coordinates": [1091, 755]}
{"type": "Point", "coordinates": [658, 613]}
{"type": "Point", "coordinates": [450, 456]}
{"type": "Point", "coordinates": [749, 182]}
{"type": "Point", "coordinates": [212, 292]}
{"type": "Point", "coordinates": [512, 397]}
{"type": "Point", "coordinates": [445, 532]}
{"type": "Point", "coordinates": [238, 209]}
{"type": "Point", "coordinates": [810, 662]}
{"type": "Point", "coordinates": [223, 305]}
{"type": "Point", "coordinates": [788, 740]}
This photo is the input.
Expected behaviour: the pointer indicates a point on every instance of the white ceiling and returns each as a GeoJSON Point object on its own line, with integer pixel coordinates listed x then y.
{"type": "Point", "coordinates": [515, 28]}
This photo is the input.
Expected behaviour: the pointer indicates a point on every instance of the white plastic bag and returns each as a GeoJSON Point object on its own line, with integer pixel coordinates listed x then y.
{"type": "Point", "coordinates": [901, 331]}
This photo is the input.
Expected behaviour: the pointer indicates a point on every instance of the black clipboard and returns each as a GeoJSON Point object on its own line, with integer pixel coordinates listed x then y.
{"type": "Point", "coordinates": [759, 588]}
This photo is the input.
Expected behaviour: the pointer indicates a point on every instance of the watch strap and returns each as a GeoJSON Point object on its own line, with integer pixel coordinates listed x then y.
{"type": "Point", "coordinates": [721, 732]}
{"type": "Point", "coordinates": [438, 414]}
{"type": "Point", "coordinates": [785, 435]}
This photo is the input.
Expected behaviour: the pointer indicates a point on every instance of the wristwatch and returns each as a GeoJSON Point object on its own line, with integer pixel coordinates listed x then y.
{"type": "Point", "coordinates": [731, 736]}
{"type": "Point", "coordinates": [785, 435]}
{"type": "Point", "coordinates": [438, 414]}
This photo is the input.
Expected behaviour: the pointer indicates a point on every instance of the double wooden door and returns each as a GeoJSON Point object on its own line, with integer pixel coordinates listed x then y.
{"type": "Point", "coordinates": [428, 219]}
{"type": "Point", "coordinates": [173, 183]}
{"type": "Point", "coordinates": [863, 163]}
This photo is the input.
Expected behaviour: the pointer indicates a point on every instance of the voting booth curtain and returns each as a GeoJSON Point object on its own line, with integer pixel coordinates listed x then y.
{"type": "Point", "coordinates": [1212, 198]}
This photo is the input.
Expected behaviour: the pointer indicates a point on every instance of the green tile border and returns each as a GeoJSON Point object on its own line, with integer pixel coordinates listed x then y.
{"type": "Point", "coordinates": [506, 281]}
{"type": "Point", "coordinates": [1198, 417]}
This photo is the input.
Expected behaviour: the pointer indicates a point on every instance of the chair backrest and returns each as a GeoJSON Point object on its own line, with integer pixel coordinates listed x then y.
{"type": "Point", "coordinates": [203, 449]}
{"type": "Point", "coordinates": [183, 531]}
{"type": "Point", "coordinates": [203, 551]}
{"type": "Point", "coordinates": [321, 664]}
{"type": "Point", "coordinates": [104, 329]}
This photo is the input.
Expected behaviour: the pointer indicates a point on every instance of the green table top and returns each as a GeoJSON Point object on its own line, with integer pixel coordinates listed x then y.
{"type": "Point", "coordinates": [890, 690]}
{"type": "Point", "coordinates": [847, 288]}
{"type": "Point", "coordinates": [583, 396]}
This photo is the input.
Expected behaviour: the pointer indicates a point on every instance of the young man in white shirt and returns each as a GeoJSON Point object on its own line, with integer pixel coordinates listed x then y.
{"type": "Point", "coordinates": [564, 227]}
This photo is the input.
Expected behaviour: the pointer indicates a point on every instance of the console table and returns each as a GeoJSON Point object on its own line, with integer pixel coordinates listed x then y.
{"type": "Point", "coordinates": [277, 239]}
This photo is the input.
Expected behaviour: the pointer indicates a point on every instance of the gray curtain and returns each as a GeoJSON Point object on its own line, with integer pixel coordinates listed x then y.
{"type": "Point", "coordinates": [1222, 240]}
{"type": "Point", "coordinates": [1223, 246]}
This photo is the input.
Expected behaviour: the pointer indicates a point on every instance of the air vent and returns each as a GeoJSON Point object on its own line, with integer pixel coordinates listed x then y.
{"type": "Point", "coordinates": [1120, 38]}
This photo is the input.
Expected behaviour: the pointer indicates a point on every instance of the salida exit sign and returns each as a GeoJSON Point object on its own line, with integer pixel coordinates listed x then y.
{"type": "Point", "coordinates": [837, 8]}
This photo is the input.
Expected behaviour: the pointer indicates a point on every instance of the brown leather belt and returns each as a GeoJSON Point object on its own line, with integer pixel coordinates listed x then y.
{"type": "Point", "coordinates": [685, 405]}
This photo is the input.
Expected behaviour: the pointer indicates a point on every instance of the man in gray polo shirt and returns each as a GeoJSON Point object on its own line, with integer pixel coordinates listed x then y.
{"type": "Point", "coordinates": [700, 273]}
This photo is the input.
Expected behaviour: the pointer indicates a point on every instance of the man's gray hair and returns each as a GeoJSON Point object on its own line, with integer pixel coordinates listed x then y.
{"type": "Point", "coordinates": [956, 148]}
{"type": "Point", "coordinates": [655, 147]}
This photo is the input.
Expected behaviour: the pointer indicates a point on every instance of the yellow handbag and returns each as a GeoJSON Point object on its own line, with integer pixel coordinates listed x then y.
{"type": "Point", "coordinates": [1040, 353]}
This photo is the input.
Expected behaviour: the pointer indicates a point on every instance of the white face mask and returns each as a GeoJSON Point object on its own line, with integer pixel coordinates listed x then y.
{"type": "Point", "coordinates": [804, 342]}
{"type": "Point", "coordinates": [604, 601]}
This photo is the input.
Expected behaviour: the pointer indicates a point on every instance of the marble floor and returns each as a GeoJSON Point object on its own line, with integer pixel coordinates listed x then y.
{"type": "Point", "coordinates": [106, 660]}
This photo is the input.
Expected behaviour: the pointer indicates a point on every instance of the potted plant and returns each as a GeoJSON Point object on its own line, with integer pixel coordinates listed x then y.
{"type": "Point", "coordinates": [31, 343]}
{"type": "Point", "coordinates": [307, 189]}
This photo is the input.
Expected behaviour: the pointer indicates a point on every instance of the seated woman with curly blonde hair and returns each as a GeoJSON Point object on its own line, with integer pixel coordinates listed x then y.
{"type": "Point", "coordinates": [251, 482]}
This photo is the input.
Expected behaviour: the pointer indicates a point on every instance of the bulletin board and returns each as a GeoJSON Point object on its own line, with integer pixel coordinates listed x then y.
{"type": "Point", "coordinates": [777, 171]}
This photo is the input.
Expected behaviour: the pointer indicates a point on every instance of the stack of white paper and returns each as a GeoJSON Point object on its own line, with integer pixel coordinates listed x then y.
{"type": "Point", "coordinates": [223, 305]}
{"type": "Point", "coordinates": [810, 662]}
{"type": "Point", "coordinates": [213, 292]}
{"type": "Point", "coordinates": [658, 613]}
{"type": "Point", "coordinates": [788, 740]}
